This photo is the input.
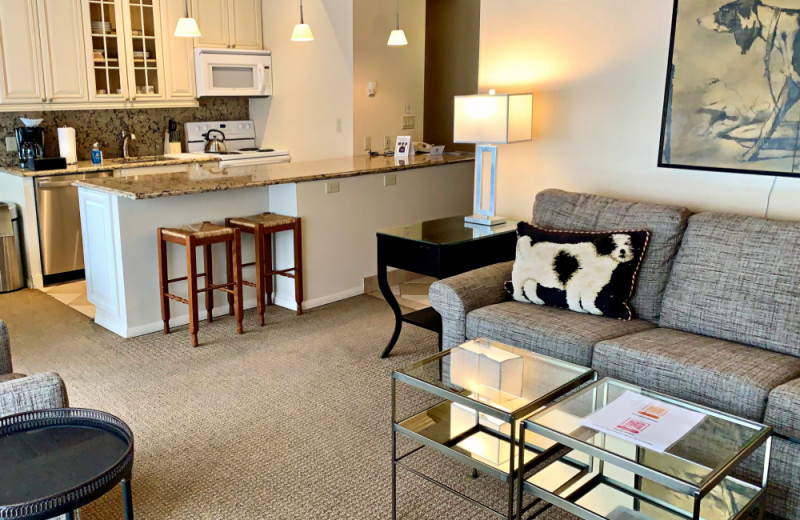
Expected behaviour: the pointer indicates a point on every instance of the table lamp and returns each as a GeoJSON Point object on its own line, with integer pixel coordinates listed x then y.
{"type": "Point", "coordinates": [488, 120]}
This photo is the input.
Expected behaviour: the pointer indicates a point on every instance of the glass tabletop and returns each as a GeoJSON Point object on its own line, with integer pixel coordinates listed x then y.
{"type": "Point", "coordinates": [504, 381]}
{"type": "Point", "coordinates": [444, 231]}
{"type": "Point", "coordinates": [695, 459]}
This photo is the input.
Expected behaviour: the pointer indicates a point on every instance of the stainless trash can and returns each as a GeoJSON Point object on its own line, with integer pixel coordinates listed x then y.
{"type": "Point", "coordinates": [11, 277]}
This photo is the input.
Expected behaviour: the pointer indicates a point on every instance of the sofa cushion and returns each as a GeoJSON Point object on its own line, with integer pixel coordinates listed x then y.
{"type": "Point", "coordinates": [783, 410]}
{"type": "Point", "coordinates": [582, 212]}
{"type": "Point", "coordinates": [728, 376]}
{"type": "Point", "coordinates": [558, 333]}
{"type": "Point", "coordinates": [737, 278]}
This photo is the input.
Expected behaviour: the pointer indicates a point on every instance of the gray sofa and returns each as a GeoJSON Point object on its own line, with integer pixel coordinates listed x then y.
{"type": "Point", "coordinates": [20, 393]}
{"type": "Point", "coordinates": [718, 322]}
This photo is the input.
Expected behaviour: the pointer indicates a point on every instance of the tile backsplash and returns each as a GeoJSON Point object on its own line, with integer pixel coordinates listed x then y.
{"type": "Point", "coordinates": [105, 126]}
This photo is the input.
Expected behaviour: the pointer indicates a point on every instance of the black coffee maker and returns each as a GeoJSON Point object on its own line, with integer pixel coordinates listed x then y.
{"type": "Point", "coordinates": [30, 143]}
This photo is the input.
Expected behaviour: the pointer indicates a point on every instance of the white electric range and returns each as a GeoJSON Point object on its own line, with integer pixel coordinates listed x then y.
{"type": "Point", "coordinates": [240, 143]}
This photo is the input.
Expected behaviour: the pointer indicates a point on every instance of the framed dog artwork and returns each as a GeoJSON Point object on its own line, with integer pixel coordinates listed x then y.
{"type": "Point", "coordinates": [733, 86]}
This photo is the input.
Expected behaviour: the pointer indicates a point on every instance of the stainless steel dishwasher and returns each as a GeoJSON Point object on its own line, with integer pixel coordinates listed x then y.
{"type": "Point", "coordinates": [60, 225]}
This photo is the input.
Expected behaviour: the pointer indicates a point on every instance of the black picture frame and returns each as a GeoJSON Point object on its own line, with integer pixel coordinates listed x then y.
{"type": "Point", "coordinates": [770, 151]}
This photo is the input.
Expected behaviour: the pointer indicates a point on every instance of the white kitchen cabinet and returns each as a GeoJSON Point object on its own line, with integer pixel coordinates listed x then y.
{"type": "Point", "coordinates": [124, 46]}
{"type": "Point", "coordinates": [212, 19]}
{"type": "Point", "coordinates": [87, 54]}
{"type": "Point", "coordinates": [103, 28]}
{"type": "Point", "coordinates": [245, 26]}
{"type": "Point", "coordinates": [63, 54]}
{"type": "Point", "coordinates": [228, 23]}
{"type": "Point", "coordinates": [178, 52]}
{"type": "Point", "coordinates": [20, 56]}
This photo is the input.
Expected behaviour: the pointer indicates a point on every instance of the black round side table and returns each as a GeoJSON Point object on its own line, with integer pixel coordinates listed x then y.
{"type": "Point", "coordinates": [54, 461]}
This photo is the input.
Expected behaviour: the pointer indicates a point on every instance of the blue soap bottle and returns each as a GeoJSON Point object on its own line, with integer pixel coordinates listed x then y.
{"type": "Point", "coordinates": [97, 154]}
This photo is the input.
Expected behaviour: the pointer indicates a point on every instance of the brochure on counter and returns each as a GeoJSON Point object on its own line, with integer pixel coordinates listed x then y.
{"type": "Point", "coordinates": [644, 421]}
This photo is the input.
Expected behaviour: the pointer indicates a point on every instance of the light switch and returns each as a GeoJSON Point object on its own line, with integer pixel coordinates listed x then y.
{"type": "Point", "coordinates": [11, 144]}
{"type": "Point", "coordinates": [409, 122]}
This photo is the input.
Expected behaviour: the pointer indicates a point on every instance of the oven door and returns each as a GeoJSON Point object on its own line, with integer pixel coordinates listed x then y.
{"type": "Point", "coordinates": [220, 73]}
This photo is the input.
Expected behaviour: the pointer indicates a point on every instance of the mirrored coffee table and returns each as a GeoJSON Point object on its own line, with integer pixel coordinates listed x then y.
{"type": "Point", "coordinates": [482, 390]}
{"type": "Point", "coordinates": [597, 476]}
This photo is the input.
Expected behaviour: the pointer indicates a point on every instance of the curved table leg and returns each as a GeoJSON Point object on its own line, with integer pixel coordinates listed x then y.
{"type": "Point", "coordinates": [386, 291]}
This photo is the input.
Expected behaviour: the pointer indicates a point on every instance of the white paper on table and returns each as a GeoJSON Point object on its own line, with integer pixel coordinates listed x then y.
{"type": "Point", "coordinates": [644, 421]}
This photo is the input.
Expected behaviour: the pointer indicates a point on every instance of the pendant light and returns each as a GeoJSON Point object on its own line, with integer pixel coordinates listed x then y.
{"type": "Point", "coordinates": [397, 36]}
{"type": "Point", "coordinates": [187, 27]}
{"type": "Point", "coordinates": [302, 32]}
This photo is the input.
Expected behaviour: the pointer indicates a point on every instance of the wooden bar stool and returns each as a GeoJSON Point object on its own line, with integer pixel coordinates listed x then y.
{"type": "Point", "coordinates": [192, 236]}
{"type": "Point", "coordinates": [263, 226]}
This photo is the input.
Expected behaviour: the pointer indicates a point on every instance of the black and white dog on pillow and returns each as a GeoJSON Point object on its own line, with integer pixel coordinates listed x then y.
{"type": "Point", "coordinates": [590, 272]}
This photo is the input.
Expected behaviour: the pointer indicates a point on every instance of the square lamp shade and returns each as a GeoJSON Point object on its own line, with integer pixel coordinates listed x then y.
{"type": "Point", "coordinates": [493, 118]}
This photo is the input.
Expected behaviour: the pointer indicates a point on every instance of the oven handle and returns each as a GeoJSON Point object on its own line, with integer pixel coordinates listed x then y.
{"type": "Point", "coordinates": [255, 161]}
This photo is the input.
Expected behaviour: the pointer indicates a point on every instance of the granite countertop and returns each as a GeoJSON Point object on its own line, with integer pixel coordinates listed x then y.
{"type": "Point", "coordinates": [114, 164]}
{"type": "Point", "coordinates": [231, 178]}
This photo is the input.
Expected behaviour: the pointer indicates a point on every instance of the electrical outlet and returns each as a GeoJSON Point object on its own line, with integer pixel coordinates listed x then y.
{"type": "Point", "coordinates": [387, 142]}
{"type": "Point", "coordinates": [331, 187]}
{"type": "Point", "coordinates": [409, 122]}
{"type": "Point", "coordinates": [367, 143]}
{"type": "Point", "coordinates": [390, 179]}
{"type": "Point", "coordinates": [11, 144]}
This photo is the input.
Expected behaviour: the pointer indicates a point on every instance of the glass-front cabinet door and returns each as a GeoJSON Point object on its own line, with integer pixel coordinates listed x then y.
{"type": "Point", "coordinates": [145, 62]}
{"type": "Point", "coordinates": [124, 50]}
{"type": "Point", "coordinates": [104, 27]}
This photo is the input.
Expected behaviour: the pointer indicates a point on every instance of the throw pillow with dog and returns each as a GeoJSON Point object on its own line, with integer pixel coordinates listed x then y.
{"type": "Point", "coordinates": [584, 271]}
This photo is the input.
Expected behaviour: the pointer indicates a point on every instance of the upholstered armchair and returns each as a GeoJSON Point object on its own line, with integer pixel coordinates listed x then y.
{"type": "Point", "coordinates": [20, 393]}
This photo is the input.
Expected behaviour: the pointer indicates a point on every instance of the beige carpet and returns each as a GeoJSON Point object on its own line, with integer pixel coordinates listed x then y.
{"type": "Point", "coordinates": [291, 420]}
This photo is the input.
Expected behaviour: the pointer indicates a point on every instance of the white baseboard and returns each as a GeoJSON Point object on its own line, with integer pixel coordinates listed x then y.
{"type": "Point", "coordinates": [177, 321]}
{"type": "Point", "coordinates": [116, 327]}
{"type": "Point", "coordinates": [322, 300]}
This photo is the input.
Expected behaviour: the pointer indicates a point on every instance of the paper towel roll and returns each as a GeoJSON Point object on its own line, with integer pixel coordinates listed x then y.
{"type": "Point", "coordinates": [66, 144]}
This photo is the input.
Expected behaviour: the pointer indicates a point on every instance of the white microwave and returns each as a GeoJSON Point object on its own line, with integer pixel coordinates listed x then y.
{"type": "Point", "coordinates": [233, 72]}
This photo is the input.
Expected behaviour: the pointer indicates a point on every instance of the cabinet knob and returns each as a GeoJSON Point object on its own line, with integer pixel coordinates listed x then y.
{"type": "Point", "coordinates": [44, 99]}
{"type": "Point", "coordinates": [50, 100]}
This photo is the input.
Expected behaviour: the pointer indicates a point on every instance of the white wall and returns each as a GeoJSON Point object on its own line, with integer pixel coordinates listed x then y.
{"type": "Point", "coordinates": [399, 71]}
{"type": "Point", "coordinates": [597, 70]}
{"type": "Point", "coordinates": [311, 111]}
{"type": "Point", "coordinates": [339, 244]}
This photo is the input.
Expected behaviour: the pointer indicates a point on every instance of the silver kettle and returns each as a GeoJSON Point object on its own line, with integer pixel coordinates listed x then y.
{"type": "Point", "coordinates": [213, 143]}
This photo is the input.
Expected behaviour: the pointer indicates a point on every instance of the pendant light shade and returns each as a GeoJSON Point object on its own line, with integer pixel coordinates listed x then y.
{"type": "Point", "coordinates": [187, 27]}
{"type": "Point", "coordinates": [302, 31]}
{"type": "Point", "coordinates": [397, 36]}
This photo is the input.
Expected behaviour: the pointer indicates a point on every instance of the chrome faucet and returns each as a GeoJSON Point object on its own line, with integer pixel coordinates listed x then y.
{"type": "Point", "coordinates": [127, 137]}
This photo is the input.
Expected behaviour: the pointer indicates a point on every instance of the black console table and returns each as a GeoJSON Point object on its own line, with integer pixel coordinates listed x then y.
{"type": "Point", "coordinates": [439, 248]}
{"type": "Point", "coordinates": [55, 461]}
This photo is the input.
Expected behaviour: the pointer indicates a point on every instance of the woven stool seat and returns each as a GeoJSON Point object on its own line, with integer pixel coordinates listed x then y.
{"type": "Point", "coordinates": [203, 230]}
{"type": "Point", "coordinates": [267, 220]}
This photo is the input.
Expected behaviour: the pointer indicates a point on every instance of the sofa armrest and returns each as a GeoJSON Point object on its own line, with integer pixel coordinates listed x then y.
{"type": "Point", "coordinates": [455, 297]}
{"type": "Point", "coordinates": [37, 392]}
{"type": "Point", "coordinates": [5, 349]}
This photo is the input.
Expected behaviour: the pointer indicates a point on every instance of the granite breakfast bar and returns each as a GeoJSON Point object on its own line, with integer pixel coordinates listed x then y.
{"type": "Point", "coordinates": [342, 203]}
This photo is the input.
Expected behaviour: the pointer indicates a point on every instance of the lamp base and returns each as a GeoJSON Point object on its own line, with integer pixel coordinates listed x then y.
{"type": "Point", "coordinates": [484, 220]}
